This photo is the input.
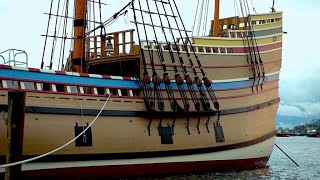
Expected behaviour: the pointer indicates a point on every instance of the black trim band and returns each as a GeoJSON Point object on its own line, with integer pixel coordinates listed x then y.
{"type": "Point", "coordinates": [92, 112]}
{"type": "Point", "coordinates": [79, 22]}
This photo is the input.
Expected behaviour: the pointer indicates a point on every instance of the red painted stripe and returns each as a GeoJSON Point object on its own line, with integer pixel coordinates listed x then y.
{"type": "Point", "coordinates": [127, 78]}
{"type": "Point", "coordinates": [84, 74]}
{"type": "Point", "coordinates": [61, 72]}
{"type": "Point", "coordinates": [2, 66]}
{"type": "Point", "coordinates": [261, 48]}
{"type": "Point", "coordinates": [34, 70]}
{"type": "Point", "coordinates": [155, 169]}
{"type": "Point", "coordinates": [106, 76]}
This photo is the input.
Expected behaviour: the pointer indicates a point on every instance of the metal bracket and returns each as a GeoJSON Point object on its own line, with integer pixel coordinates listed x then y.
{"type": "Point", "coordinates": [207, 124]}
{"type": "Point", "coordinates": [219, 132]}
{"type": "Point", "coordinates": [149, 126]}
{"type": "Point", "coordinates": [187, 125]}
{"type": "Point", "coordinates": [198, 124]}
{"type": "Point", "coordinates": [173, 124]}
{"type": "Point", "coordinates": [159, 126]}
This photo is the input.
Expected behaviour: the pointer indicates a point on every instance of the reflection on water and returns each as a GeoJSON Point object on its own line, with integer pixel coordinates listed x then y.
{"type": "Point", "coordinates": [305, 151]}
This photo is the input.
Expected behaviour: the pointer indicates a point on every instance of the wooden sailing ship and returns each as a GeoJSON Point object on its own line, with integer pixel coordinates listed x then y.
{"type": "Point", "coordinates": [178, 104]}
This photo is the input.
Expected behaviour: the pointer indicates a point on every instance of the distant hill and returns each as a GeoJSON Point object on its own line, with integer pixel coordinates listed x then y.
{"type": "Point", "coordinates": [291, 121]}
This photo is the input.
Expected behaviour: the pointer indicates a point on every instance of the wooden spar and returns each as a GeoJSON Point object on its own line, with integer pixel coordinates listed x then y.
{"type": "Point", "coordinates": [16, 109]}
{"type": "Point", "coordinates": [216, 18]}
{"type": "Point", "coordinates": [78, 57]}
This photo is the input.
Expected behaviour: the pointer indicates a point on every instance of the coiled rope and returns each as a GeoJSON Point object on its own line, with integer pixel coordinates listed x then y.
{"type": "Point", "coordinates": [61, 147]}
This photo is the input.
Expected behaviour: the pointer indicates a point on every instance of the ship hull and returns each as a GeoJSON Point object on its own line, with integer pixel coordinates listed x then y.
{"type": "Point", "coordinates": [245, 157]}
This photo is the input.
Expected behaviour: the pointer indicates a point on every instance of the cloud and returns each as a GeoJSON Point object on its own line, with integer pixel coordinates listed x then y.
{"type": "Point", "coordinates": [306, 110]}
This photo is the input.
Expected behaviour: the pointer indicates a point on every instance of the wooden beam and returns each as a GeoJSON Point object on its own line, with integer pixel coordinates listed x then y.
{"type": "Point", "coordinates": [16, 110]}
{"type": "Point", "coordinates": [116, 43]}
{"type": "Point", "coordinates": [123, 43]}
{"type": "Point", "coordinates": [103, 46]}
{"type": "Point", "coordinates": [95, 47]}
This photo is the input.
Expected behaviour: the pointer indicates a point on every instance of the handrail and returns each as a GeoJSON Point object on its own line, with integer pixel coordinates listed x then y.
{"type": "Point", "coordinates": [12, 54]}
{"type": "Point", "coordinates": [4, 60]}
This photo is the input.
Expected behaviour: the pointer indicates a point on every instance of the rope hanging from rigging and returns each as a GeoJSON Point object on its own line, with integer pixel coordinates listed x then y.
{"type": "Point", "coordinates": [146, 80]}
{"type": "Point", "coordinates": [252, 49]}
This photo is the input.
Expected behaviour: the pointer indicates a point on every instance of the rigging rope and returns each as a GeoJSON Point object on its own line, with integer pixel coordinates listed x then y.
{"type": "Point", "coordinates": [146, 78]}
{"type": "Point", "coordinates": [54, 37]}
{"type": "Point", "coordinates": [61, 147]}
{"type": "Point", "coordinates": [155, 78]}
{"type": "Point", "coordinates": [207, 82]}
{"type": "Point", "coordinates": [195, 17]}
{"type": "Point", "coordinates": [64, 34]}
{"type": "Point", "coordinates": [256, 49]}
{"type": "Point", "coordinates": [187, 77]}
{"type": "Point", "coordinates": [46, 37]}
{"type": "Point", "coordinates": [166, 79]}
{"type": "Point", "coordinates": [248, 50]}
{"type": "Point", "coordinates": [178, 77]}
{"type": "Point", "coordinates": [205, 18]}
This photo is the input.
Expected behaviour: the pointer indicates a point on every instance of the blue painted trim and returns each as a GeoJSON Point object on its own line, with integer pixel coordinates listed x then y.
{"type": "Point", "coordinates": [91, 81]}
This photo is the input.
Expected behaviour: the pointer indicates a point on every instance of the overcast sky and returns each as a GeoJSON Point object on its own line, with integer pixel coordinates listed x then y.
{"type": "Point", "coordinates": [22, 23]}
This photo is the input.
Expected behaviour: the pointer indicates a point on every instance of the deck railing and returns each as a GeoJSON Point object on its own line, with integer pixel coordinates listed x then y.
{"type": "Point", "coordinates": [110, 44]}
{"type": "Point", "coordinates": [12, 59]}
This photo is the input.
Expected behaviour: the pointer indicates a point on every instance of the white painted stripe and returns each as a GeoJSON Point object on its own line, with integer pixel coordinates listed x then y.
{"type": "Point", "coordinates": [233, 39]}
{"type": "Point", "coordinates": [72, 73]}
{"type": "Point", "coordinates": [53, 87]}
{"type": "Point", "coordinates": [230, 80]}
{"type": "Point", "coordinates": [20, 68]}
{"type": "Point", "coordinates": [259, 150]}
{"type": "Point", "coordinates": [273, 73]}
{"type": "Point", "coordinates": [119, 92]}
{"type": "Point", "coordinates": [47, 71]}
{"type": "Point", "coordinates": [22, 85]}
{"type": "Point", "coordinates": [95, 91]}
{"type": "Point", "coordinates": [95, 75]}
{"type": "Point", "coordinates": [108, 91]}
{"type": "Point", "coordinates": [131, 93]}
{"type": "Point", "coordinates": [117, 77]}
{"type": "Point", "coordinates": [38, 86]}
{"type": "Point", "coordinates": [68, 89]}
{"type": "Point", "coordinates": [4, 84]}
{"type": "Point", "coordinates": [81, 89]}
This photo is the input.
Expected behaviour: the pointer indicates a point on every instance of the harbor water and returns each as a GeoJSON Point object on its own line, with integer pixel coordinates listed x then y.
{"type": "Point", "coordinates": [305, 151]}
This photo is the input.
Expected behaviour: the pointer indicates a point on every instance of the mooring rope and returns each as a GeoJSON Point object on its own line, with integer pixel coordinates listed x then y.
{"type": "Point", "coordinates": [61, 147]}
{"type": "Point", "coordinates": [286, 155]}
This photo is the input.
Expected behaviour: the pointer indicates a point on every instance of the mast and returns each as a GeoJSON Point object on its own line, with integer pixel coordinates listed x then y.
{"type": "Point", "coordinates": [78, 57]}
{"type": "Point", "coordinates": [216, 18]}
{"type": "Point", "coordinates": [272, 9]}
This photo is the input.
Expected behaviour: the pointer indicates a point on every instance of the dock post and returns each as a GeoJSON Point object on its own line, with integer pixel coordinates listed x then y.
{"type": "Point", "coordinates": [16, 111]}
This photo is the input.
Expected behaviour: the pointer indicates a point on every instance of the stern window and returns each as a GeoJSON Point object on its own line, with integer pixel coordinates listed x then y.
{"type": "Point", "coordinates": [72, 89]}
{"type": "Point", "coordinates": [60, 87]}
{"type": "Point", "coordinates": [29, 85]}
{"type": "Point", "coordinates": [124, 92]}
{"type": "Point", "coordinates": [12, 84]}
